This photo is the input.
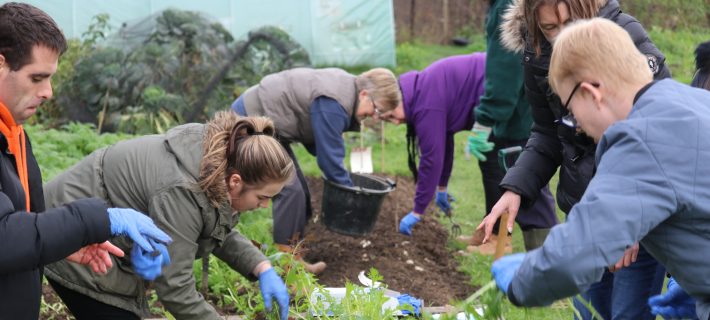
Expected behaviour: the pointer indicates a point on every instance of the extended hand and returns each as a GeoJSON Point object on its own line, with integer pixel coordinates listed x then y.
{"type": "Point", "coordinates": [138, 226]}
{"type": "Point", "coordinates": [149, 264]}
{"type": "Point", "coordinates": [674, 304]}
{"type": "Point", "coordinates": [273, 288]}
{"type": "Point", "coordinates": [407, 223]}
{"type": "Point", "coordinates": [504, 270]}
{"type": "Point", "coordinates": [478, 141]}
{"type": "Point", "coordinates": [508, 202]}
{"type": "Point", "coordinates": [97, 256]}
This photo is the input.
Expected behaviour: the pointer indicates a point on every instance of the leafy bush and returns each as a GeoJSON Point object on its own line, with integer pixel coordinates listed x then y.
{"type": "Point", "coordinates": [172, 67]}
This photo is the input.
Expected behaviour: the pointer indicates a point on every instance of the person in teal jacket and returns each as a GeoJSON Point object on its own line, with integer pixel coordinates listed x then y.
{"type": "Point", "coordinates": [503, 119]}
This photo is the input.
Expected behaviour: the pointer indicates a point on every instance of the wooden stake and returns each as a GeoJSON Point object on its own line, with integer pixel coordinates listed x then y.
{"type": "Point", "coordinates": [502, 236]}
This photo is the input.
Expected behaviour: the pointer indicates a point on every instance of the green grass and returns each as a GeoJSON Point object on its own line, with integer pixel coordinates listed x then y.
{"type": "Point", "coordinates": [679, 47]}
{"type": "Point", "coordinates": [670, 14]}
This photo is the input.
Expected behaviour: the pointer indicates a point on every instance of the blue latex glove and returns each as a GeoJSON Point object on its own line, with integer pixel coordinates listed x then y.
{"type": "Point", "coordinates": [139, 227]}
{"type": "Point", "coordinates": [272, 287]}
{"type": "Point", "coordinates": [149, 264]}
{"type": "Point", "coordinates": [407, 223]}
{"type": "Point", "coordinates": [442, 200]}
{"type": "Point", "coordinates": [478, 141]}
{"type": "Point", "coordinates": [414, 303]}
{"type": "Point", "coordinates": [674, 304]}
{"type": "Point", "coordinates": [504, 270]}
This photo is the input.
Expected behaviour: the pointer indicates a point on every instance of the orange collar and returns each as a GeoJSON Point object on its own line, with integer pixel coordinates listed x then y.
{"type": "Point", "coordinates": [15, 136]}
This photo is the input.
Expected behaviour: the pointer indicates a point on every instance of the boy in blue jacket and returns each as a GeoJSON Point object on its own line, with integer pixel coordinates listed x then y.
{"type": "Point", "coordinates": [650, 186]}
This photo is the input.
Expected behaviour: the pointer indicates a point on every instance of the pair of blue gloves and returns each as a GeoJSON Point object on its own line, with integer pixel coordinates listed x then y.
{"type": "Point", "coordinates": [675, 303]}
{"type": "Point", "coordinates": [150, 252]}
{"type": "Point", "coordinates": [273, 288]}
{"type": "Point", "coordinates": [443, 200]}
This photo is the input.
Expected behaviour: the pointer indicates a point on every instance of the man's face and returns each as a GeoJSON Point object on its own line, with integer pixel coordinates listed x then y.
{"type": "Point", "coordinates": [23, 90]}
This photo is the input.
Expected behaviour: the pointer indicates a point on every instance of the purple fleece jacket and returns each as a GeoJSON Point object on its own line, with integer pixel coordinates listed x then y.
{"type": "Point", "coordinates": [439, 102]}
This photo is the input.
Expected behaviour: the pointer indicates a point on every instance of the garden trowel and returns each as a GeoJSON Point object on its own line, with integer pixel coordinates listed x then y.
{"type": "Point", "coordinates": [361, 158]}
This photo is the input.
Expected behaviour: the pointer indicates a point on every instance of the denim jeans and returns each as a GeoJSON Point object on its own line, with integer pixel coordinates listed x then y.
{"type": "Point", "coordinates": [624, 294]}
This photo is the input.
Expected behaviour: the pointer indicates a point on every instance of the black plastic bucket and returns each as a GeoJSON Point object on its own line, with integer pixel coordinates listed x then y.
{"type": "Point", "coordinates": [353, 210]}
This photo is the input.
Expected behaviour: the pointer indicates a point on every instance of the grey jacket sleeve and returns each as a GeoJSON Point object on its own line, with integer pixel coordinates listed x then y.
{"type": "Point", "coordinates": [629, 196]}
{"type": "Point", "coordinates": [175, 212]}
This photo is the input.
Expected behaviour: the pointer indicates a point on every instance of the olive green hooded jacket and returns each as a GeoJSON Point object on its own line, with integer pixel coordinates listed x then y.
{"type": "Point", "coordinates": [156, 175]}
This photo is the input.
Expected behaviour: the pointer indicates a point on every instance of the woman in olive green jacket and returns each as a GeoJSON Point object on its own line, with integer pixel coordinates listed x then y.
{"type": "Point", "coordinates": [193, 181]}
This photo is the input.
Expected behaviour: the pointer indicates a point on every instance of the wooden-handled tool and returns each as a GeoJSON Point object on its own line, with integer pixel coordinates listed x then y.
{"type": "Point", "coordinates": [503, 236]}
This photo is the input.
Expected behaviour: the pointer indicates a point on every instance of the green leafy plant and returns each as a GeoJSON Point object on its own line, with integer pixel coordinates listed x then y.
{"type": "Point", "coordinates": [173, 67]}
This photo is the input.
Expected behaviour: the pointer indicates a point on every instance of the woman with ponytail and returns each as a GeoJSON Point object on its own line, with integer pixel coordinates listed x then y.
{"type": "Point", "coordinates": [193, 181]}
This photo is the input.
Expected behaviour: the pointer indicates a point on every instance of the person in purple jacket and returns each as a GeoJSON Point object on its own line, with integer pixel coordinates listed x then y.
{"type": "Point", "coordinates": [436, 103]}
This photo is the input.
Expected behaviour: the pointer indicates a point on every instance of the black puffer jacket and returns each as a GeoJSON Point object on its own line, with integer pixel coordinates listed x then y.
{"type": "Point", "coordinates": [29, 240]}
{"type": "Point", "coordinates": [552, 145]}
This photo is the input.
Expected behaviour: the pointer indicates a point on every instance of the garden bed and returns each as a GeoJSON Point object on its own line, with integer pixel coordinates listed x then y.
{"type": "Point", "coordinates": [432, 273]}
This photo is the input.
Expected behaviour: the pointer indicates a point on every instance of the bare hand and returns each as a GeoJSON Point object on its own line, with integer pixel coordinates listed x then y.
{"type": "Point", "coordinates": [97, 256]}
{"type": "Point", "coordinates": [629, 257]}
{"type": "Point", "coordinates": [508, 202]}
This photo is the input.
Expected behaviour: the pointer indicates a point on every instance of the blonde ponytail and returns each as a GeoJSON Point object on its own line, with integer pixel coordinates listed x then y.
{"type": "Point", "coordinates": [245, 146]}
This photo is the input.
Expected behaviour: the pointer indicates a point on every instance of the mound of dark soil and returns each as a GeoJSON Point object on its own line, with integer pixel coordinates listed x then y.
{"type": "Point", "coordinates": [420, 265]}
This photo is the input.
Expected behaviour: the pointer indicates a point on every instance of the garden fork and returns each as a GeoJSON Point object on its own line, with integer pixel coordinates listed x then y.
{"type": "Point", "coordinates": [455, 227]}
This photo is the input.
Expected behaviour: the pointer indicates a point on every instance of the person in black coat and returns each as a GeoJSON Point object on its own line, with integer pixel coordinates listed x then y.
{"type": "Point", "coordinates": [30, 46]}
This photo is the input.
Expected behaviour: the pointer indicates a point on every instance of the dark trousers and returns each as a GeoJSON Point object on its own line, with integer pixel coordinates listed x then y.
{"type": "Point", "coordinates": [292, 206]}
{"type": "Point", "coordinates": [85, 307]}
{"type": "Point", "coordinates": [540, 216]}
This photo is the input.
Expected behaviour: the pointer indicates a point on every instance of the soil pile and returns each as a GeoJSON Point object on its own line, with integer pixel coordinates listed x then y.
{"type": "Point", "coordinates": [420, 265]}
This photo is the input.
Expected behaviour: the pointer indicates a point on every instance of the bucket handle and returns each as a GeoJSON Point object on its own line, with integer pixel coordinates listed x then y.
{"type": "Point", "coordinates": [392, 183]}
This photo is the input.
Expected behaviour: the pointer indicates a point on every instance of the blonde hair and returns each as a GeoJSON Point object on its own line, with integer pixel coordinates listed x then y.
{"type": "Point", "coordinates": [242, 145]}
{"type": "Point", "coordinates": [381, 84]}
{"type": "Point", "coordinates": [601, 48]}
{"type": "Point", "coordinates": [578, 9]}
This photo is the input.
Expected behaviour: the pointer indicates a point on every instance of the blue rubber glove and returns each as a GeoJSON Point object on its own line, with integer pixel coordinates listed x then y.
{"type": "Point", "coordinates": [504, 270]}
{"type": "Point", "coordinates": [442, 201]}
{"type": "Point", "coordinates": [407, 223]}
{"type": "Point", "coordinates": [478, 141]}
{"type": "Point", "coordinates": [414, 303]}
{"type": "Point", "coordinates": [272, 287]}
{"type": "Point", "coordinates": [149, 264]}
{"type": "Point", "coordinates": [139, 227]}
{"type": "Point", "coordinates": [674, 304]}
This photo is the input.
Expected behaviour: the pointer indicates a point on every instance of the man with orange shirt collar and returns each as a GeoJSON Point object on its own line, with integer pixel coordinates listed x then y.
{"type": "Point", "coordinates": [30, 46]}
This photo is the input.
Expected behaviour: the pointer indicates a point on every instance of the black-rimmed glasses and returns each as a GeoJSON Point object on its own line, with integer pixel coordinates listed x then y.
{"type": "Point", "coordinates": [569, 119]}
{"type": "Point", "coordinates": [374, 106]}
